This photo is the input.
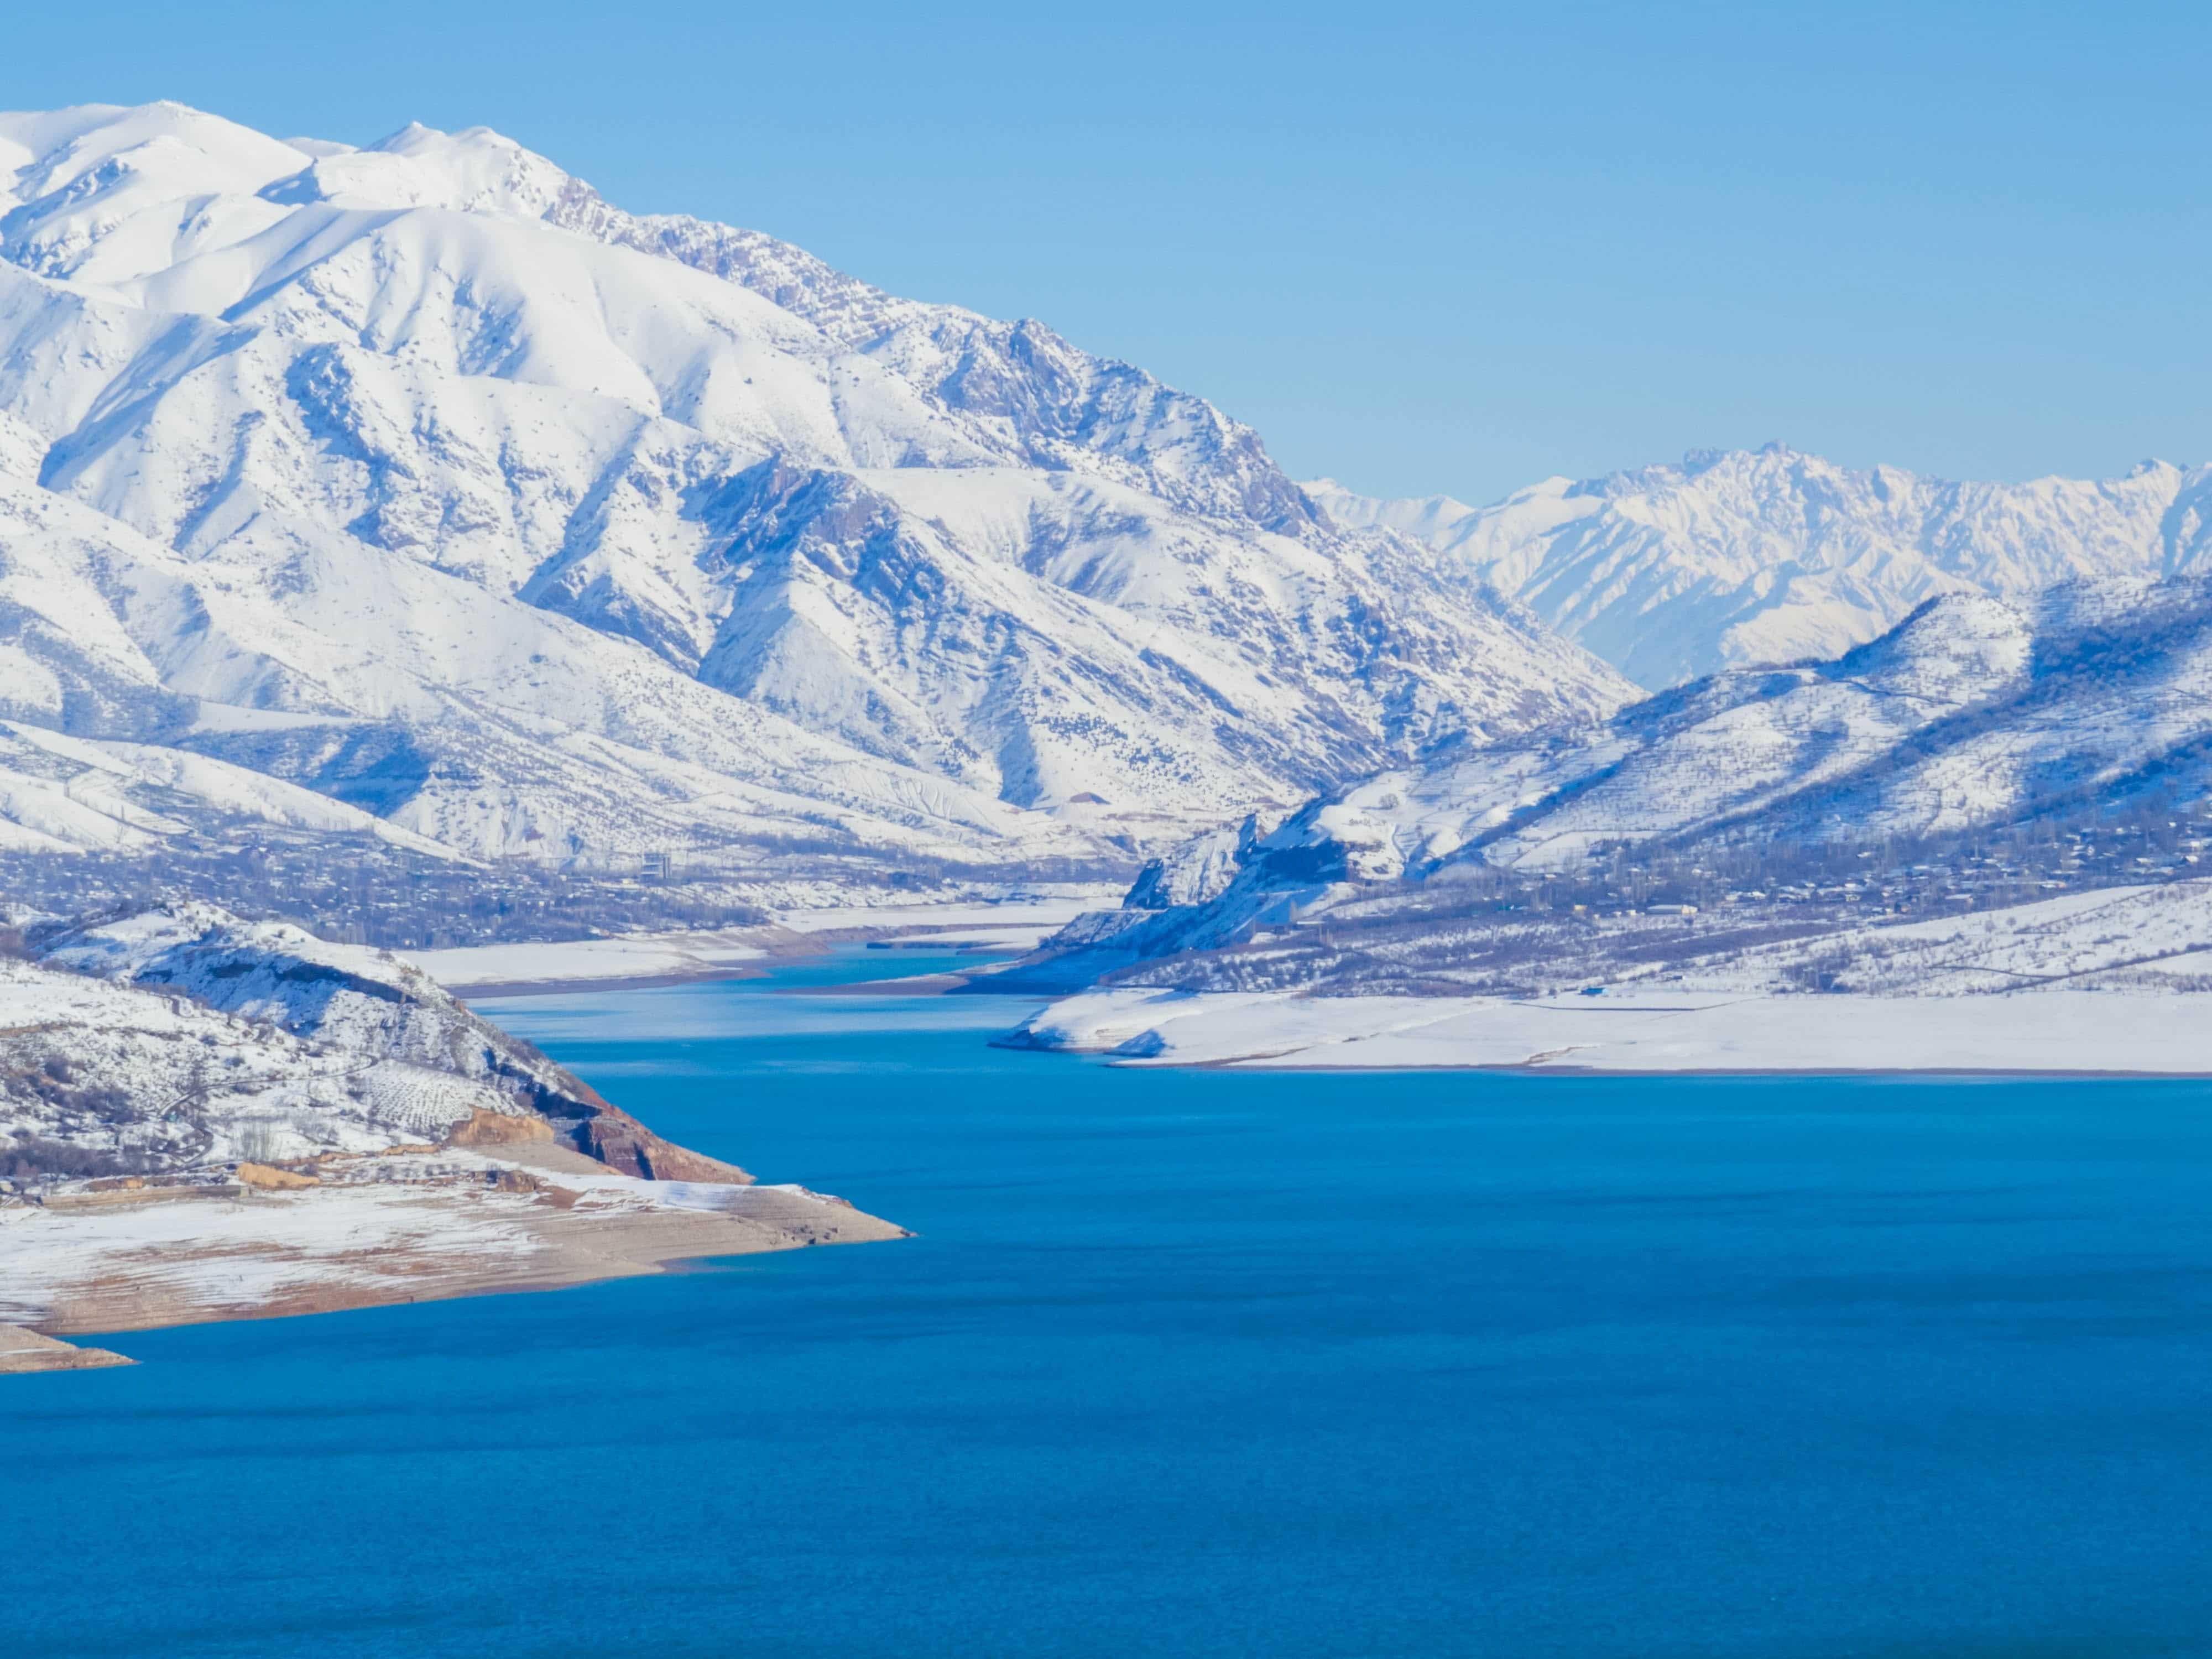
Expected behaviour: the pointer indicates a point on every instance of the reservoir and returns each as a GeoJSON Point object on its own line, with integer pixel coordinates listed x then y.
{"type": "Point", "coordinates": [1209, 1362]}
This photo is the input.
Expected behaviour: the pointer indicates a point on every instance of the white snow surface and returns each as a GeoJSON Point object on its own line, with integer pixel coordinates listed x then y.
{"type": "Point", "coordinates": [699, 955]}
{"type": "Point", "coordinates": [163, 1082]}
{"type": "Point", "coordinates": [433, 1220]}
{"type": "Point", "coordinates": [1011, 924]}
{"type": "Point", "coordinates": [420, 477]}
{"type": "Point", "coordinates": [1739, 557]}
{"type": "Point", "coordinates": [2111, 979]}
{"type": "Point", "coordinates": [215, 1257]}
{"type": "Point", "coordinates": [1681, 1031]}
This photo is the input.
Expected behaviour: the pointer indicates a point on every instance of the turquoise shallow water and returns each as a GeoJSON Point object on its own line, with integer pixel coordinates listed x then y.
{"type": "Point", "coordinates": [1212, 1363]}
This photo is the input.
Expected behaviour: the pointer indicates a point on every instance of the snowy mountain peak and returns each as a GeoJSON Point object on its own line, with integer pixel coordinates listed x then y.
{"type": "Point", "coordinates": [473, 171]}
{"type": "Point", "coordinates": [420, 480]}
{"type": "Point", "coordinates": [1734, 557]}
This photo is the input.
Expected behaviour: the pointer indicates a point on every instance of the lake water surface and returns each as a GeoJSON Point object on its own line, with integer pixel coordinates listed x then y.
{"type": "Point", "coordinates": [1207, 1362]}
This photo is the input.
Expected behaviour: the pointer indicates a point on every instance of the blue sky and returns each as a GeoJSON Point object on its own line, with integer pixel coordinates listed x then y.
{"type": "Point", "coordinates": [1420, 248]}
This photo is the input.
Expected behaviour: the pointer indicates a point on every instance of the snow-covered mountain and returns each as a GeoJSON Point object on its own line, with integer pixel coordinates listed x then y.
{"type": "Point", "coordinates": [1973, 711]}
{"type": "Point", "coordinates": [422, 478]}
{"type": "Point", "coordinates": [2077, 705]}
{"type": "Point", "coordinates": [1739, 557]}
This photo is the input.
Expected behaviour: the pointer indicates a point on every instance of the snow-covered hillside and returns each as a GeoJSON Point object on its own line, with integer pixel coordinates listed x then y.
{"type": "Point", "coordinates": [184, 1038]}
{"type": "Point", "coordinates": [203, 1118]}
{"type": "Point", "coordinates": [2088, 981]}
{"type": "Point", "coordinates": [1971, 712]}
{"type": "Point", "coordinates": [1983, 751]}
{"type": "Point", "coordinates": [1739, 557]}
{"type": "Point", "coordinates": [423, 478]}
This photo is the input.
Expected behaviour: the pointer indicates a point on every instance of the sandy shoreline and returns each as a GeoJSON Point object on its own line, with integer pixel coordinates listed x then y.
{"type": "Point", "coordinates": [428, 1227]}
{"type": "Point", "coordinates": [23, 1351]}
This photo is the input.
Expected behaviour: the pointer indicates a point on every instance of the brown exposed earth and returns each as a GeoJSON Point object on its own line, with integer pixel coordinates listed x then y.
{"type": "Point", "coordinates": [550, 1238]}
{"type": "Point", "coordinates": [26, 1350]}
{"type": "Point", "coordinates": [621, 1142]}
{"type": "Point", "coordinates": [270, 1179]}
{"type": "Point", "coordinates": [487, 1128]}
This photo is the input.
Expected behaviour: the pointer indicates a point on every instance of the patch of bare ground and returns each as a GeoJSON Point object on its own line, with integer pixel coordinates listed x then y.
{"type": "Point", "coordinates": [22, 1350]}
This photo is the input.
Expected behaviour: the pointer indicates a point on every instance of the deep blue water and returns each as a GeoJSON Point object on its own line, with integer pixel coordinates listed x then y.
{"type": "Point", "coordinates": [1200, 1363]}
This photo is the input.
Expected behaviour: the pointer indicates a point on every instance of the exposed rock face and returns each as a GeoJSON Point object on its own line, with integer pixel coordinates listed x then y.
{"type": "Point", "coordinates": [487, 1128]}
{"type": "Point", "coordinates": [621, 1142]}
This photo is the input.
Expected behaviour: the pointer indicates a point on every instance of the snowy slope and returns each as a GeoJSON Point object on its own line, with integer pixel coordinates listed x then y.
{"type": "Point", "coordinates": [2095, 981]}
{"type": "Point", "coordinates": [182, 1036]}
{"type": "Point", "coordinates": [99, 1078]}
{"type": "Point", "coordinates": [2060, 1032]}
{"type": "Point", "coordinates": [1739, 557]}
{"type": "Point", "coordinates": [2087, 700]}
{"type": "Point", "coordinates": [422, 476]}
{"type": "Point", "coordinates": [446, 712]}
{"type": "Point", "coordinates": [107, 1069]}
{"type": "Point", "coordinates": [1973, 711]}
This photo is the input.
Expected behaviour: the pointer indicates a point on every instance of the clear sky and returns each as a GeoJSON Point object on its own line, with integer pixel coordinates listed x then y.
{"type": "Point", "coordinates": [1421, 248]}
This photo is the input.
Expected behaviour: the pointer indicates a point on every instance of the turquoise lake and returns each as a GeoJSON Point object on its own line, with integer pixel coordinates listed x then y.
{"type": "Point", "coordinates": [1210, 1362]}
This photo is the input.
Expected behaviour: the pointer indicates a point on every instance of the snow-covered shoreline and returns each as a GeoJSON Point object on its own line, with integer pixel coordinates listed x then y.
{"type": "Point", "coordinates": [2048, 1033]}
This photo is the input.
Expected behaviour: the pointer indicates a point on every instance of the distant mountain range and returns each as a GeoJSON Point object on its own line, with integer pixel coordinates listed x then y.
{"type": "Point", "coordinates": [421, 480]}
{"type": "Point", "coordinates": [1745, 556]}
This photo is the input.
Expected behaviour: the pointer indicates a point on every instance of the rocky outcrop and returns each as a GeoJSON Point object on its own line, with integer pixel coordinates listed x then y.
{"type": "Point", "coordinates": [484, 1128]}
{"type": "Point", "coordinates": [621, 1142]}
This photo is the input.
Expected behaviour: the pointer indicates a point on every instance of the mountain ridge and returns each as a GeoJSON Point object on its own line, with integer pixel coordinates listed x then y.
{"type": "Point", "coordinates": [1737, 557]}
{"type": "Point", "coordinates": [1984, 751]}
{"type": "Point", "coordinates": [426, 438]}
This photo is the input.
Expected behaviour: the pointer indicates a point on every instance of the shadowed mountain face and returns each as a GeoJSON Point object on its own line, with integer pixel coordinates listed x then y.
{"type": "Point", "coordinates": [421, 479]}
